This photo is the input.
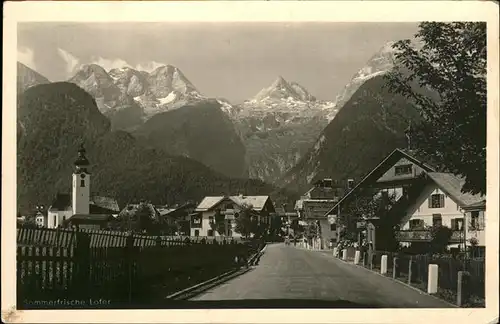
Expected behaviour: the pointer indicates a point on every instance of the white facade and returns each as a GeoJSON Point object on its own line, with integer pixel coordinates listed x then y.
{"type": "Point", "coordinates": [81, 193]}
{"type": "Point", "coordinates": [204, 229]}
{"type": "Point", "coordinates": [57, 217]}
{"type": "Point", "coordinates": [433, 206]}
{"type": "Point", "coordinates": [41, 220]}
{"type": "Point", "coordinates": [476, 227]}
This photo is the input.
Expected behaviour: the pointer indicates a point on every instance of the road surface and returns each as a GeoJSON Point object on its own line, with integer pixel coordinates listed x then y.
{"type": "Point", "coordinates": [288, 272]}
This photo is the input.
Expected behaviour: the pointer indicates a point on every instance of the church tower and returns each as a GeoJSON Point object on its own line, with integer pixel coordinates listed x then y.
{"type": "Point", "coordinates": [81, 184]}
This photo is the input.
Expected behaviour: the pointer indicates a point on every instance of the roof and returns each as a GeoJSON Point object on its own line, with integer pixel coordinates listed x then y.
{"type": "Point", "coordinates": [61, 201]}
{"type": "Point", "coordinates": [106, 203]}
{"type": "Point", "coordinates": [209, 202]}
{"type": "Point", "coordinates": [381, 168]}
{"type": "Point", "coordinates": [452, 186]}
{"type": "Point", "coordinates": [257, 202]}
{"type": "Point", "coordinates": [479, 205]}
{"type": "Point", "coordinates": [91, 217]}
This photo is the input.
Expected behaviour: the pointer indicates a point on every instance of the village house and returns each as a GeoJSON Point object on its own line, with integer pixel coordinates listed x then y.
{"type": "Point", "coordinates": [441, 202]}
{"type": "Point", "coordinates": [314, 205]}
{"type": "Point", "coordinates": [423, 197]}
{"type": "Point", "coordinates": [41, 216]}
{"type": "Point", "coordinates": [395, 176]}
{"type": "Point", "coordinates": [80, 202]}
{"type": "Point", "coordinates": [178, 217]}
{"type": "Point", "coordinates": [230, 207]}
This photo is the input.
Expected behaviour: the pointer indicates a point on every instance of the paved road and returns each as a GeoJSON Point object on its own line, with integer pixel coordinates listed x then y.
{"type": "Point", "coordinates": [287, 272]}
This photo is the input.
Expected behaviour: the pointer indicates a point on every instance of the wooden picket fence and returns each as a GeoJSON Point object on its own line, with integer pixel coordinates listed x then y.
{"type": "Point", "coordinates": [99, 238]}
{"type": "Point", "coordinates": [137, 271]}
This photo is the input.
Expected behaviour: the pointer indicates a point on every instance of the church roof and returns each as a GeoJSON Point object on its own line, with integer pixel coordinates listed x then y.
{"type": "Point", "coordinates": [91, 217]}
{"type": "Point", "coordinates": [82, 159]}
{"type": "Point", "coordinates": [61, 201]}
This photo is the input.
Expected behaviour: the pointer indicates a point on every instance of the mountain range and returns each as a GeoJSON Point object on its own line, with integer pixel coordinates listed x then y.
{"type": "Point", "coordinates": [283, 135]}
{"type": "Point", "coordinates": [55, 118]}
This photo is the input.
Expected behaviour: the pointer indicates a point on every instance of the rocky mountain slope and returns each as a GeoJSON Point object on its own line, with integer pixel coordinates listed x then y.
{"type": "Point", "coordinates": [27, 78]}
{"type": "Point", "coordinates": [368, 126]}
{"type": "Point", "coordinates": [370, 123]}
{"type": "Point", "coordinates": [278, 126]}
{"type": "Point", "coordinates": [200, 131]}
{"type": "Point", "coordinates": [129, 97]}
{"type": "Point", "coordinates": [56, 117]}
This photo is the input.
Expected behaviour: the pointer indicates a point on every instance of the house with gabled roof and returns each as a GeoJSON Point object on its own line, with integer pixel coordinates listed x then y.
{"type": "Point", "coordinates": [441, 202]}
{"type": "Point", "coordinates": [424, 197]}
{"type": "Point", "coordinates": [396, 175]}
{"type": "Point", "coordinates": [313, 205]}
{"type": "Point", "coordinates": [230, 207]}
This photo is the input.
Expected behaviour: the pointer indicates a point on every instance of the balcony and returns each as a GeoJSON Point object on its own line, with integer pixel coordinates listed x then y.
{"type": "Point", "coordinates": [425, 236]}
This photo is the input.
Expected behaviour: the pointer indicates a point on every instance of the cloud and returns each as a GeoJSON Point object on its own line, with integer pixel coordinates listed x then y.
{"type": "Point", "coordinates": [109, 64]}
{"type": "Point", "coordinates": [26, 56]}
{"type": "Point", "coordinates": [71, 61]}
{"type": "Point", "coordinates": [117, 63]}
{"type": "Point", "coordinates": [149, 66]}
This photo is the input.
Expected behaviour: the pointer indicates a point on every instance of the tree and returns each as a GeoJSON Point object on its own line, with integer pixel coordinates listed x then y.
{"type": "Point", "coordinates": [219, 223]}
{"type": "Point", "coordinates": [246, 224]}
{"type": "Point", "coordinates": [451, 64]}
{"type": "Point", "coordinates": [440, 238]}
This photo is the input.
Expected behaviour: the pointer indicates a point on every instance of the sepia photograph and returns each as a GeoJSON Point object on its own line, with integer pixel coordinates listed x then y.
{"type": "Point", "coordinates": [252, 164]}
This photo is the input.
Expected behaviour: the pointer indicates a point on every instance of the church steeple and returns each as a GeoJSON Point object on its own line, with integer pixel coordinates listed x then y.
{"type": "Point", "coordinates": [81, 183]}
{"type": "Point", "coordinates": [81, 163]}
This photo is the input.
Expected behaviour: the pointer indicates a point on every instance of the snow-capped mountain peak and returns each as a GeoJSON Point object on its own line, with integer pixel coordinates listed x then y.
{"type": "Point", "coordinates": [279, 89]}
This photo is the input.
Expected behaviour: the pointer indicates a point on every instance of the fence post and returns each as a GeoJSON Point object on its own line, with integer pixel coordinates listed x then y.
{"type": "Point", "coordinates": [356, 257]}
{"type": "Point", "coordinates": [463, 292]}
{"type": "Point", "coordinates": [344, 254]}
{"type": "Point", "coordinates": [130, 260]}
{"type": "Point", "coordinates": [395, 268]}
{"type": "Point", "coordinates": [432, 281]}
{"type": "Point", "coordinates": [410, 266]}
{"type": "Point", "coordinates": [81, 281]}
{"type": "Point", "coordinates": [383, 264]}
{"type": "Point", "coordinates": [335, 251]}
{"type": "Point", "coordinates": [371, 256]}
{"type": "Point", "coordinates": [364, 259]}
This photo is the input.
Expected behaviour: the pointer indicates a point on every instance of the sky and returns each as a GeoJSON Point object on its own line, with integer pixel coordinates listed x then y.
{"type": "Point", "coordinates": [229, 60]}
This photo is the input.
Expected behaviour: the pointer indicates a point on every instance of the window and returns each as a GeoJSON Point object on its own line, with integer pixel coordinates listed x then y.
{"type": "Point", "coordinates": [196, 232]}
{"type": "Point", "coordinates": [82, 183]}
{"type": "Point", "coordinates": [416, 224]}
{"type": "Point", "coordinates": [457, 224]}
{"type": "Point", "coordinates": [229, 206]}
{"type": "Point", "coordinates": [475, 222]}
{"type": "Point", "coordinates": [436, 201]}
{"type": "Point", "coordinates": [403, 169]}
{"type": "Point", "coordinates": [333, 227]}
{"type": "Point", "coordinates": [55, 220]}
{"type": "Point", "coordinates": [64, 218]}
{"type": "Point", "coordinates": [236, 215]}
{"type": "Point", "coordinates": [210, 232]}
{"type": "Point", "coordinates": [211, 219]}
{"type": "Point", "coordinates": [437, 220]}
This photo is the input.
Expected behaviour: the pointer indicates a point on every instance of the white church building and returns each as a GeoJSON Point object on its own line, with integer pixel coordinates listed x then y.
{"type": "Point", "coordinates": [80, 202]}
